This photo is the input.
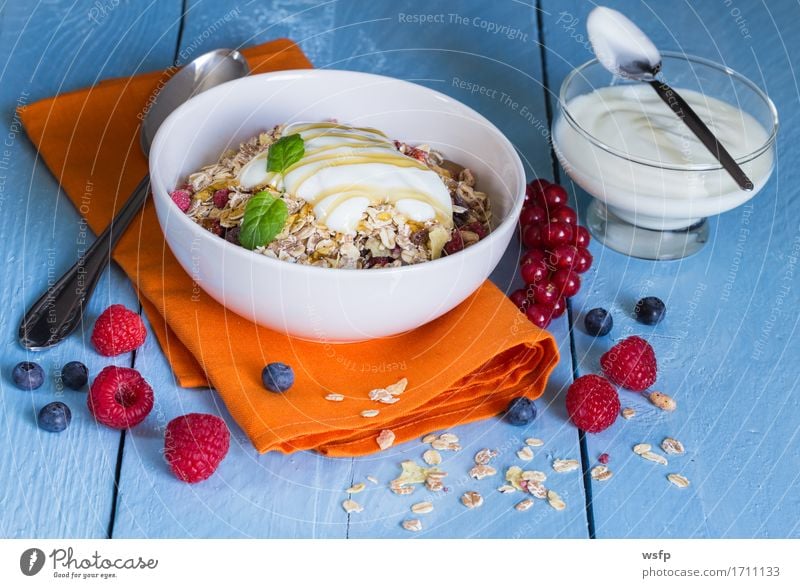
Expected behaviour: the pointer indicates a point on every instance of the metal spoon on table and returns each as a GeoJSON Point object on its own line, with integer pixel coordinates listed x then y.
{"type": "Point", "coordinates": [624, 50]}
{"type": "Point", "coordinates": [57, 313]}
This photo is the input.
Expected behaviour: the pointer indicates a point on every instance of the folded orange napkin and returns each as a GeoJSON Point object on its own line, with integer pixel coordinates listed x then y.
{"type": "Point", "coordinates": [462, 367]}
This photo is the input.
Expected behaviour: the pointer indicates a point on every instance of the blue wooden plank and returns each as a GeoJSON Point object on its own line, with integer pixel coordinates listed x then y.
{"type": "Point", "coordinates": [57, 485]}
{"type": "Point", "coordinates": [300, 495]}
{"type": "Point", "coordinates": [729, 345]}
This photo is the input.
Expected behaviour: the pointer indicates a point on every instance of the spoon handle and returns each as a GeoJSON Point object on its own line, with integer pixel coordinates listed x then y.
{"type": "Point", "coordinates": [681, 108]}
{"type": "Point", "coordinates": [59, 310]}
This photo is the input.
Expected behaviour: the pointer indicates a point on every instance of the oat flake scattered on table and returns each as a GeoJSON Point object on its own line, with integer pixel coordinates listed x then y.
{"type": "Point", "coordinates": [385, 439]}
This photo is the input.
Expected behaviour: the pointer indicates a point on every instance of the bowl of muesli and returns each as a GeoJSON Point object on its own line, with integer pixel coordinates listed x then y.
{"type": "Point", "coordinates": [335, 205]}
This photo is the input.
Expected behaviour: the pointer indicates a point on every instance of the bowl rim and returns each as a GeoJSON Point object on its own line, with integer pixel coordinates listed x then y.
{"type": "Point", "coordinates": [483, 244]}
{"type": "Point", "coordinates": [693, 167]}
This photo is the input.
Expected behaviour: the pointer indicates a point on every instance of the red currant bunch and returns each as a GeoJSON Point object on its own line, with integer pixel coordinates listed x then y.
{"type": "Point", "coordinates": [556, 253]}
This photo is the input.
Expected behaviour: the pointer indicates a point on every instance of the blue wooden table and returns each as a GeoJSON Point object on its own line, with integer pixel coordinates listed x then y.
{"type": "Point", "coordinates": [729, 350]}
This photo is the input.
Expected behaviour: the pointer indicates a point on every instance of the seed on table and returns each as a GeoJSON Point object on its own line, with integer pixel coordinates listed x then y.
{"type": "Point", "coordinates": [524, 505]}
{"type": "Point", "coordinates": [672, 446]}
{"type": "Point", "coordinates": [432, 457]}
{"type": "Point", "coordinates": [413, 525]}
{"type": "Point", "coordinates": [663, 401]}
{"type": "Point", "coordinates": [422, 508]}
{"type": "Point", "coordinates": [678, 480]}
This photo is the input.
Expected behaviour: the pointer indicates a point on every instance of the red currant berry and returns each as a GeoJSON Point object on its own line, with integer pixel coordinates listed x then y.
{"type": "Point", "coordinates": [539, 315]}
{"type": "Point", "coordinates": [580, 237]}
{"type": "Point", "coordinates": [564, 214]}
{"type": "Point", "coordinates": [532, 255]}
{"type": "Point", "coordinates": [533, 214]}
{"type": "Point", "coordinates": [566, 282]}
{"type": "Point", "coordinates": [533, 272]}
{"type": "Point", "coordinates": [563, 256]}
{"type": "Point", "coordinates": [583, 260]}
{"type": "Point", "coordinates": [555, 234]}
{"type": "Point", "coordinates": [554, 196]}
{"type": "Point", "coordinates": [545, 292]}
{"type": "Point", "coordinates": [532, 236]}
{"type": "Point", "coordinates": [559, 307]}
{"type": "Point", "coordinates": [534, 190]}
{"type": "Point", "coordinates": [520, 299]}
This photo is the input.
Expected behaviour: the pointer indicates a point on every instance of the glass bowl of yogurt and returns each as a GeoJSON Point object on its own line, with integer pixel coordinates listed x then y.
{"type": "Point", "coordinates": [654, 184]}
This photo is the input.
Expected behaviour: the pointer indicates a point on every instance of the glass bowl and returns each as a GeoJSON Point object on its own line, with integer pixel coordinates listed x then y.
{"type": "Point", "coordinates": [651, 208]}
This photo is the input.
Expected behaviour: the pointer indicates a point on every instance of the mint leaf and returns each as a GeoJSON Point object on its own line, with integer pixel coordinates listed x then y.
{"type": "Point", "coordinates": [264, 218]}
{"type": "Point", "coordinates": [285, 152]}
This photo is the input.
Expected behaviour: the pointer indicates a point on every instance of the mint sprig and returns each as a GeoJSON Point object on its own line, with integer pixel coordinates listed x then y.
{"type": "Point", "coordinates": [285, 152]}
{"type": "Point", "coordinates": [264, 217]}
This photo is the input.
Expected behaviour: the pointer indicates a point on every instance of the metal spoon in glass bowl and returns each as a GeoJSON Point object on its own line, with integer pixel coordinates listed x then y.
{"type": "Point", "coordinates": [56, 314]}
{"type": "Point", "coordinates": [626, 51]}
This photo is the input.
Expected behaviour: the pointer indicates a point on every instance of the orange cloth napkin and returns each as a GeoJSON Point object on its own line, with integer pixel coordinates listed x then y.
{"type": "Point", "coordinates": [462, 367]}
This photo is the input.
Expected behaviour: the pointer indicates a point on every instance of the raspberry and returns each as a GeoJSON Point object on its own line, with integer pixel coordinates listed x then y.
{"type": "Point", "coordinates": [120, 398]}
{"type": "Point", "coordinates": [592, 403]}
{"type": "Point", "coordinates": [604, 458]}
{"type": "Point", "coordinates": [631, 363]}
{"type": "Point", "coordinates": [182, 198]}
{"type": "Point", "coordinates": [221, 197]}
{"type": "Point", "coordinates": [118, 330]}
{"type": "Point", "coordinates": [194, 446]}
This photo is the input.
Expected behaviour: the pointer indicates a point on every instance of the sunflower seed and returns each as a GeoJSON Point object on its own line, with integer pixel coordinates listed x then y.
{"type": "Point", "coordinates": [368, 414]}
{"type": "Point", "coordinates": [663, 401]}
{"type": "Point", "coordinates": [672, 446]}
{"type": "Point", "coordinates": [385, 439]}
{"type": "Point", "coordinates": [432, 457]}
{"type": "Point", "coordinates": [601, 473]}
{"type": "Point", "coordinates": [484, 456]}
{"type": "Point", "coordinates": [335, 397]}
{"type": "Point", "coordinates": [641, 448]}
{"type": "Point", "coordinates": [350, 506]}
{"type": "Point", "coordinates": [533, 442]}
{"type": "Point", "coordinates": [654, 457]}
{"type": "Point", "coordinates": [479, 472]}
{"type": "Point", "coordinates": [628, 413]}
{"type": "Point", "coordinates": [525, 454]}
{"type": "Point", "coordinates": [555, 501]}
{"type": "Point", "coordinates": [678, 480]}
{"type": "Point", "coordinates": [524, 505]}
{"type": "Point", "coordinates": [413, 525]}
{"type": "Point", "coordinates": [422, 507]}
{"type": "Point", "coordinates": [565, 465]}
{"type": "Point", "coordinates": [356, 488]}
{"type": "Point", "coordinates": [471, 499]}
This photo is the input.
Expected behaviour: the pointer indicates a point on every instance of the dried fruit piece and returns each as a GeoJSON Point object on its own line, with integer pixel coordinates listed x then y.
{"type": "Point", "coordinates": [351, 506]}
{"type": "Point", "coordinates": [663, 401]}
{"type": "Point", "coordinates": [601, 473]}
{"type": "Point", "coordinates": [432, 457]}
{"type": "Point", "coordinates": [672, 446]}
{"type": "Point", "coordinates": [678, 480]}
{"type": "Point", "coordinates": [555, 501]}
{"type": "Point", "coordinates": [565, 465]}
{"type": "Point", "coordinates": [524, 505]}
{"type": "Point", "coordinates": [385, 439]}
{"type": "Point", "coordinates": [641, 448]}
{"type": "Point", "coordinates": [422, 507]}
{"type": "Point", "coordinates": [471, 499]}
{"type": "Point", "coordinates": [413, 525]}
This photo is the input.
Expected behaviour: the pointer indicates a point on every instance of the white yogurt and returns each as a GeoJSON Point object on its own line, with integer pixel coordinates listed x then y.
{"type": "Point", "coordinates": [667, 194]}
{"type": "Point", "coordinates": [346, 169]}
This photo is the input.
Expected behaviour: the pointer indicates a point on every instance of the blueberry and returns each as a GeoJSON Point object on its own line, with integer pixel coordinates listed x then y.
{"type": "Point", "coordinates": [650, 310]}
{"type": "Point", "coordinates": [598, 322]}
{"type": "Point", "coordinates": [54, 417]}
{"type": "Point", "coordinates": [277, 377]}
{"type": "Point", "coordinates": [521, 411]}
{"type": "Point", "coordinates": [74, 375]}
{"type": "Point", "coordinates": [28, 375]}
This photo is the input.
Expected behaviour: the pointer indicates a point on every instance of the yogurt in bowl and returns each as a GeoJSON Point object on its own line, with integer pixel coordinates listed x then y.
{"type": "Point", "coordinates": [654, 183]}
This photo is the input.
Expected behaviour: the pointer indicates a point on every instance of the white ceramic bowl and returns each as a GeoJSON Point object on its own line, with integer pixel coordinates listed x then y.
{"type": "Point", "coordinates": [320, 303]}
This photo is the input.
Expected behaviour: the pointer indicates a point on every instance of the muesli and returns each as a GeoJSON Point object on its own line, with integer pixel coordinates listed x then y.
{"type": "Point", "coordinates": [333, 195]}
